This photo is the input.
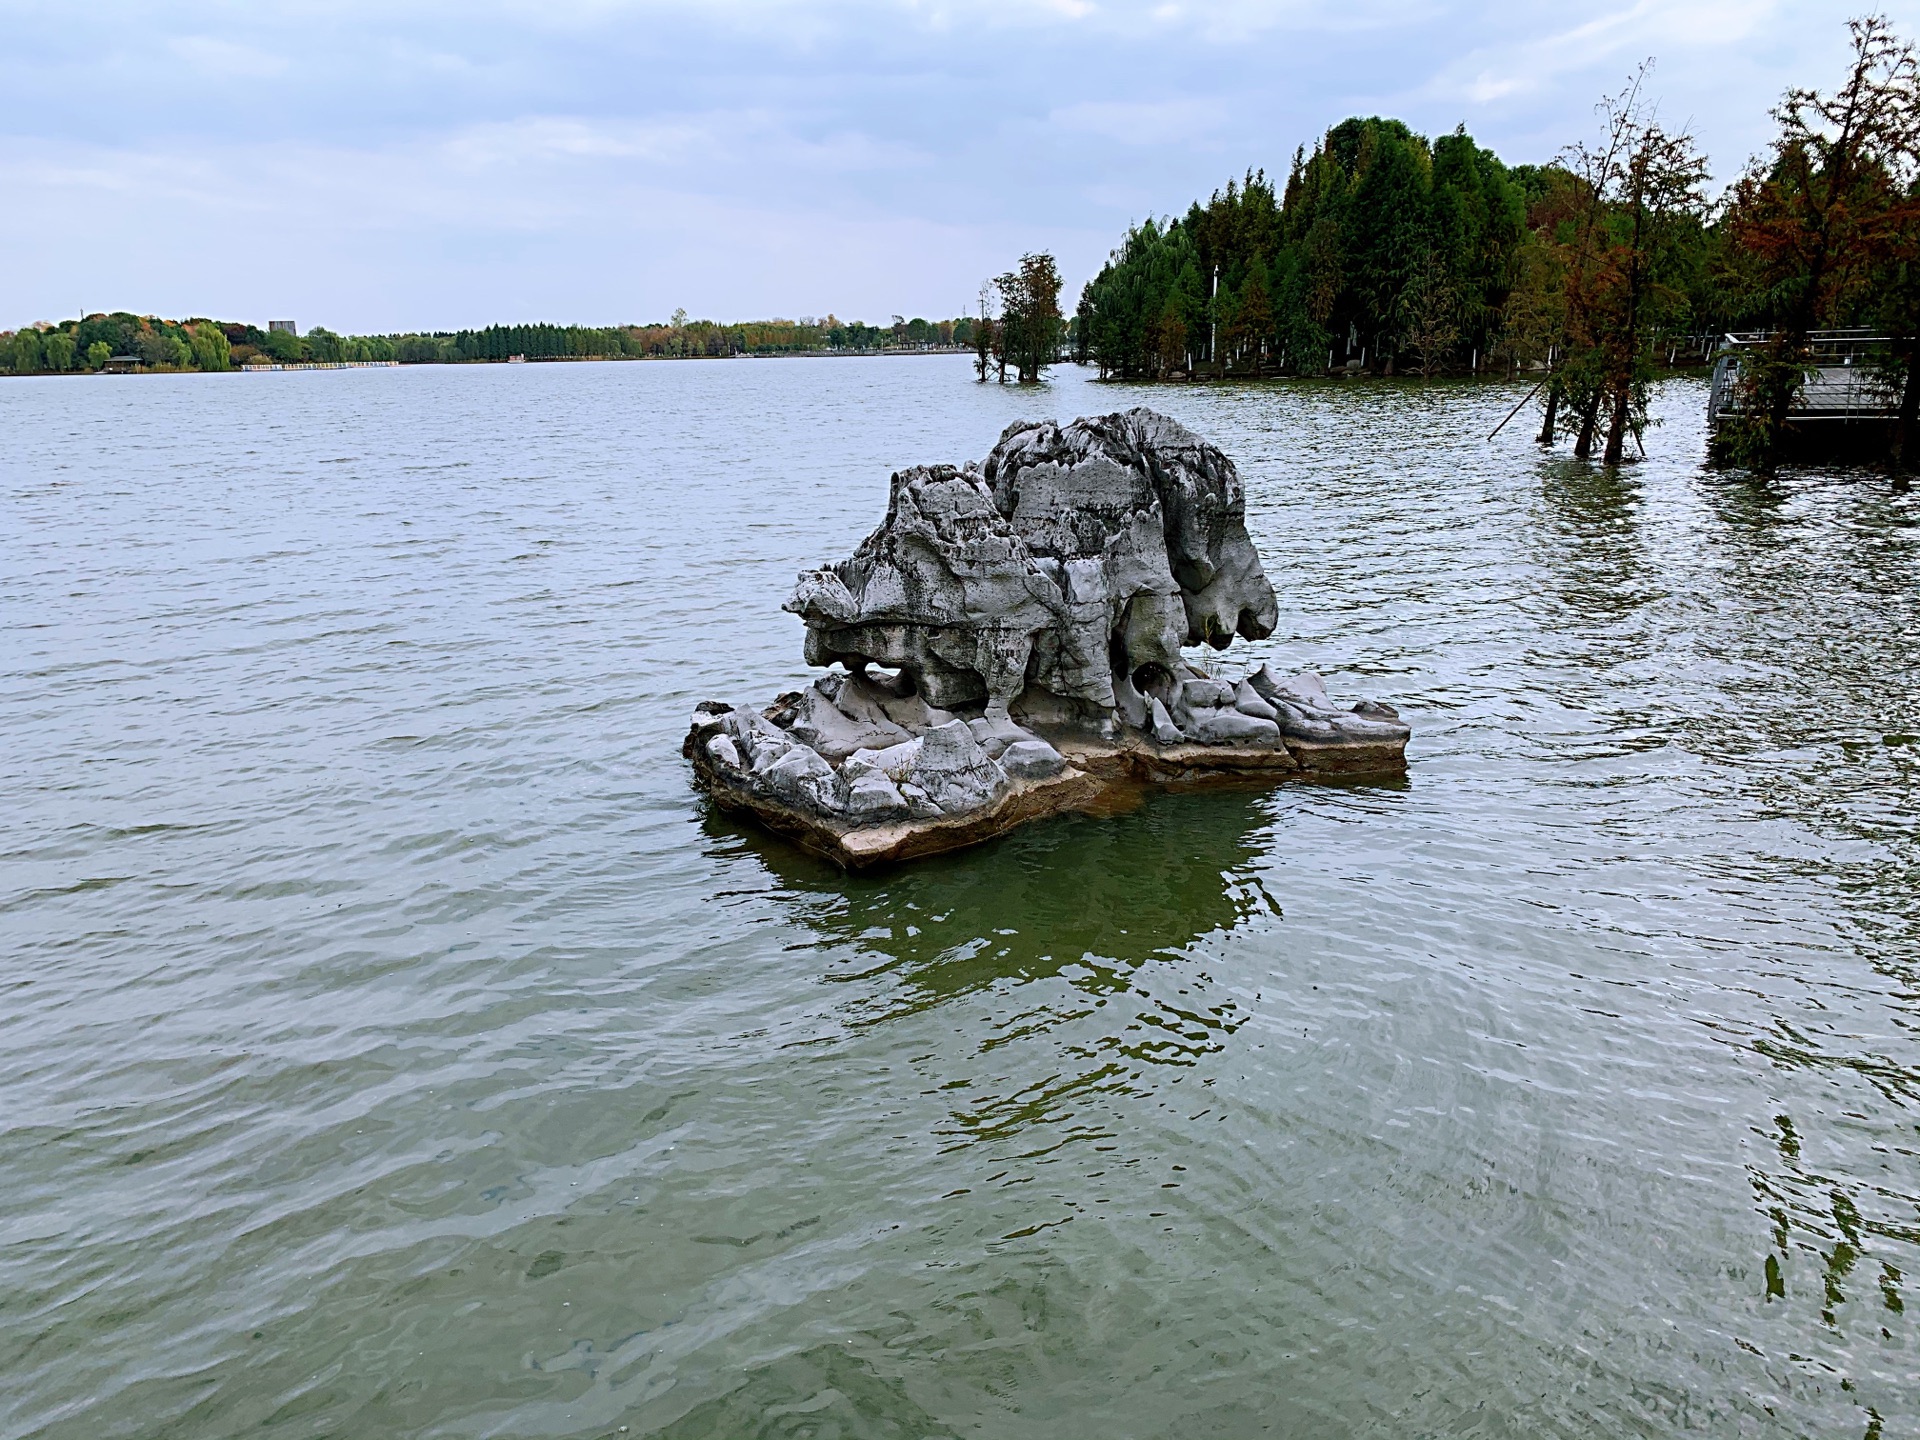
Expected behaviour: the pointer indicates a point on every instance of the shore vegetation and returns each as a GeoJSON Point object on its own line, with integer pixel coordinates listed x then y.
{"type": "Point", "coordinates": [125, 341]}
{"type": "Point", "coordinates": [1386, 252]}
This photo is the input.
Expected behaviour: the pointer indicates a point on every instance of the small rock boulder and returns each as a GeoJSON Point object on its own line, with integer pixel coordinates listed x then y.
{"type": "Point", "coordinates": [1304, 713]}
{"type": "Point", "coordinates": [955, 773]}
{"type": "Point", "coordinates": [819, 718]}
{"type": "Point", "coordinates": [1229, 727]}
{"type": "Point", "coordinates": [872, 798]}
{"type": "Point", "coordinates": [1164, 730]}
{"type": "Point", "coordinates": [802, 777]}
{"type": "Point", "coordinates": [996, 732]}
{"type": "Point", "coordinates": [896, 762]}
{"type": "Point", "coordinates": [1247, 701]}
{"type": "Point", "coordinates": [1032, 759]}
{"type": "Point", "coordinates": [1205, 694]}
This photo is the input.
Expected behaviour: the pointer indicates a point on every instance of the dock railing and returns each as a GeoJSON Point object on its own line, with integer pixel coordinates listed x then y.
{"type": "Point", "coordinates": [1844, 377]}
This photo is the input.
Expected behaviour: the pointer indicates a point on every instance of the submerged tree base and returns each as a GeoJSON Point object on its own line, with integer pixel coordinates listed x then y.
{"type": "Point", "coordinates": [1865, 442]}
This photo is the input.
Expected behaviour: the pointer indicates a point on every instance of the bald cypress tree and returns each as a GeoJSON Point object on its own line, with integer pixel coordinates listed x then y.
{"type": "Point", "coordinates": [1813, 220]}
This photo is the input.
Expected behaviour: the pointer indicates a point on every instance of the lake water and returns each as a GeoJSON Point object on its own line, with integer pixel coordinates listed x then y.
{"type": "Point", "coordinates": [396, 1045]}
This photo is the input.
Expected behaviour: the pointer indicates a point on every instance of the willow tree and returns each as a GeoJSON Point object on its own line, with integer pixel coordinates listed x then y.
{"type": "Point", "coordinates": [26, 351]}
{"type": "Point", "coordinates": [211, 348]}
{"type": "Point", "coordinates": [56, 350]}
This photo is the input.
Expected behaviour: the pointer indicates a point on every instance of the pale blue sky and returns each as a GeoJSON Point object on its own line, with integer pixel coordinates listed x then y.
{"type": "Point", "coordinates": [379, 166]}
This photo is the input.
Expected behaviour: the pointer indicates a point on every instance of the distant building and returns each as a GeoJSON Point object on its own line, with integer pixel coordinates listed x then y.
{"type": "Point", "coordinates": [286, 326]}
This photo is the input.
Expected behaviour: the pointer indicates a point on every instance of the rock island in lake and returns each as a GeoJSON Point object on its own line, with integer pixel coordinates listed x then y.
{"type": "Point", "coordinates": [1007, 646]}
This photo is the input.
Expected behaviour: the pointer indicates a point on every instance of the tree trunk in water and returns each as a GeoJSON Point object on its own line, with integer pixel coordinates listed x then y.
{"type": "Point", "coordinates": [1589, 417]}
{"type": "Point", "coordinates": [1617, 428]}
{"type": "Point", "coordinates": [1783, 377]}
{"type": "Point", "coordinates": [1553, 410]}
{"type": "Point", "coordinates": [1779, 404]}
{"type": "Point", "coordinates": [1904, 434]}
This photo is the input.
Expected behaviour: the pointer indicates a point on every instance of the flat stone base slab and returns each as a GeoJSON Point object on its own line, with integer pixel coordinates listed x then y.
{"type": "Point", "coordinates": [1102, 776]}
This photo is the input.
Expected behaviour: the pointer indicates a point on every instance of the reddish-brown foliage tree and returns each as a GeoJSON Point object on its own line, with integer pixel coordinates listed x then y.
{"type": "Point", "coordinates": [1814, 219]}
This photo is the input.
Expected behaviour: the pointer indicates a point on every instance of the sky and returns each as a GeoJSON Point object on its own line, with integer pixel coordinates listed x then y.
{"type": "Point", "coordinates": [385, 165]}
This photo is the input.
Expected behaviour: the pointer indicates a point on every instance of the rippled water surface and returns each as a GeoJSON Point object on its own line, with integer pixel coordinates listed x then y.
{"type": "Point", "coordinates": [395, 1045]}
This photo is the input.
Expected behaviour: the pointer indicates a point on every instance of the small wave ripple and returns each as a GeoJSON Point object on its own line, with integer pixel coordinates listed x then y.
{"type": "Point", "coordinates": [396, 1046]}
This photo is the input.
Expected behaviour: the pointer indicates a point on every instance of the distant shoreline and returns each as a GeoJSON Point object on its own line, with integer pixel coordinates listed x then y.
{"type": "Point", "coordinates": [256, 368]}
{"type": "Point", "coordinates": [123, 343]}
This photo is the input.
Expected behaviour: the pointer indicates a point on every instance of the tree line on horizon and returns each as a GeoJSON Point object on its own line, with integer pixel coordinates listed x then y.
{"type": "Point", "coordinates": [208, 345]}
{"type": "Point", "coordinates": [1384, 252]}
{"type": "Point", "coordinates": [1389, 253]}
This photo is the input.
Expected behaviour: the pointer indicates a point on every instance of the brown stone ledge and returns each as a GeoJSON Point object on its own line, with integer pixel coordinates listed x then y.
{"type": "Point", "coordinates": [1102, 777]}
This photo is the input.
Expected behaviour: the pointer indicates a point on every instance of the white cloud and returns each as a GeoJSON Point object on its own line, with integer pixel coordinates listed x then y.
{"type": "Point", "coordinates": [1620, 37]}
{"type": "Point", "coordinates": [525, 233]}
{"type": "Point", "coordinates": [226, 59]}
{"type": "Point", "coordinates": [1145, 122]}
{"type": "Point", "coordinates": [442, 161]}
{"type": "Point", "coordinates": [714, 141]}
{"type": "Point", "coordinates": [539, 138]}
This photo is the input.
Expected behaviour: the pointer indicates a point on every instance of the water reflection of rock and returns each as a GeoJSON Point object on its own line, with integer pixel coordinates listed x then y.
{"type": "Point", "coordinates": [1108, 891]}
{"type": "Point", "coordinates": [1085, 907]}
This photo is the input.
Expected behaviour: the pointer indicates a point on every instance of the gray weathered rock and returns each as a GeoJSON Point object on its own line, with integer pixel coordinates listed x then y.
{"type": "Point", "coordinates": [1130, 703]}
{"type": "Point", "coordinates": [1207, 714]}
{"type": "Point", "coordinates": [820, 718]}
{"type": "Point", "coordinates": [1074, 557]}
{"type": "Point", "coordinates": [1204, 694]}
{"type": "Point", "coordinates": [895, 762]}
{"type": "Point", "coordinates": [1304, 712]}
{"type": "Point", "coordinates": [874, 799]}
{"type": "Point", "coordinates": [1164, 730]}
{"type": "Point", "coordinates": [944, 590]}
{"type": "Point", "coordinates": [955, 772]}
{"type": "Point", "coordinates": [1032, 760]}
{"type": "Point", "coordinates": [996, 732]}
{"type": "Point", "coordinates": [918, 802]}
{"type": "Point", "coordinates": [1009, 643]}
{"type": "Point", "coordinates": [1225, 726]}
{"type": "Point", "coordinates": [1247, 701]}
{"type": "Point", "coordinates": [802, 777]}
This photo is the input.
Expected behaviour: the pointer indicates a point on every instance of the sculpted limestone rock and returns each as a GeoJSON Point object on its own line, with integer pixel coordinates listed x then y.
{"type": "Point", "coordinates": [1045, 580]}
{"type": "Point", "coordinates": [1010, 644]}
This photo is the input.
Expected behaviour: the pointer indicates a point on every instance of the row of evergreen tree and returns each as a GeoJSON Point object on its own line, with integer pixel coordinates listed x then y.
{"type": "Point", "coordinates": [683, 337]}
{"type": "Point", "coordinates": [1390, 253]}
{"type": "Point", "coordinates": [1384, 251]}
